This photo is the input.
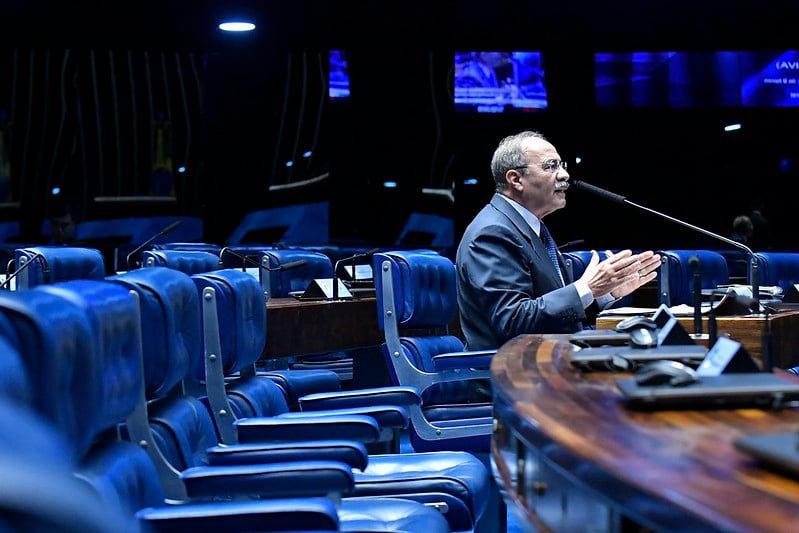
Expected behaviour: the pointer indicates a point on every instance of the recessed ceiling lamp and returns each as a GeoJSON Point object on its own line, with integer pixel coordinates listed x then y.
{"type": "Point", "coordinates": [236, 26]}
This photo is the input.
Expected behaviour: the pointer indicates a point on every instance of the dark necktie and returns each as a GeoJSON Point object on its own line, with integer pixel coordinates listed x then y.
{"type": "Point", "coordinates": [549, 244]}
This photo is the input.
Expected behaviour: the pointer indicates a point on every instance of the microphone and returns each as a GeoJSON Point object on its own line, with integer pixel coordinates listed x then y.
{"type": "Point", "coordinates": [570, 244]}
{"type": "Point", "coordinates": [693, 262]}
{"type": "Point", "coordinates": [353, 258]}
{"type": "Point", "coordinates": [149, 241]}
{"type": "Point", "coordinates": [245, 259]}
{"type": "Point", "coordinates": [45, 271]}
{"type": "Point", "coordinates": [755, 307]}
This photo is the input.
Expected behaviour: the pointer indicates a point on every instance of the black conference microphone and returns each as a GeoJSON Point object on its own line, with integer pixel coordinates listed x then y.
{"type": "Point", "coordinates": [45, 271]}
{"type": "Point", "coordinates": [353, 259]}
{"type": "Point", "coordinates": [149, 241]}
{"type": "Point", "coordinates": [245, 260]}
{"type": "Point", "coordinates": [613, 197]}
{"type": "Point", "coordinates": [570, 244]}
{"type": "Point", "coordinates": [693, 262]}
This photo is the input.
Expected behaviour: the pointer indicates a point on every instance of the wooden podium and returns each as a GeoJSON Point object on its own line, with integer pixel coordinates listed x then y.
{"type": "Point", "coordinates": [750, 331]}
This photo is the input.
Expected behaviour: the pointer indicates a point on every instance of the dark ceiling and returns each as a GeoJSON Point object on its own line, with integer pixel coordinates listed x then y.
{"type": "Point", "coordinates": [413, 23]}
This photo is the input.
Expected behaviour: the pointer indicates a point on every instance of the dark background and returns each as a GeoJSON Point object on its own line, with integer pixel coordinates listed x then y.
{"type": "Point", "coordinates": [244, 107]}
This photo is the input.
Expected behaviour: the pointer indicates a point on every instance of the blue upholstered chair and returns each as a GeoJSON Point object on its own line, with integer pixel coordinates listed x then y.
{"type": "Point", "coordinates": [417, 290]}
{"type": "Point", "coordinates": [184, 431]}
{"type": "Point", "coordinates": [234, 339]}
{"type": "Point", "coordinates": [41, 265]}
{"type": "Point", "coordinates": [676, 276]}
{"type": "Point", "coordinates": [779, 269]}
{"type": "Point", "coordinates": [37, 462]}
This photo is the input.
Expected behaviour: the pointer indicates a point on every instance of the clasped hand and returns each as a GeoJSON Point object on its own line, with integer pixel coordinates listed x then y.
{"type": "Point", "coordinates": [621, 273]}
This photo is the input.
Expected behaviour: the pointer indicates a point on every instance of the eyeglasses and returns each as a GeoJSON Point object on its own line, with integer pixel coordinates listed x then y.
{"type": "Point", "coordinates": [553, 165]}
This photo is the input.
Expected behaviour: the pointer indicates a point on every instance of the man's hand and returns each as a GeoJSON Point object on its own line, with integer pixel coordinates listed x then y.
{"type": "Point", "coordinates": [619, 274]}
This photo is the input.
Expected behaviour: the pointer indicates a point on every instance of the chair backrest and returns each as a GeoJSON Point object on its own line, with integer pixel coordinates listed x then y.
{"type": "Point", "coordinates": [81, 365]}
{"type": "Point", "coordinates": [281, 283]}
{"type": "Point", "coordinates": [41, 265]}
{"type": "Point", "coordinates": [188, 261]}
{"type": "Point", "coordinates": [202, 246]}
{"type": "Point", "coordinates": [416, 290]}
{"type": "Point", "coordinates": [676, 276]}
{"type": "Point", "coordinates": [780, 269]}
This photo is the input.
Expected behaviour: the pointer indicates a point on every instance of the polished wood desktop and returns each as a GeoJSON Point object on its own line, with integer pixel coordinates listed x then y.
{"type": "Point", "coordinates": [571, 457]}
{"type": "Point", "coordinates": [295, 327]}
{"type": "Point", "coordinates": [749, 331]}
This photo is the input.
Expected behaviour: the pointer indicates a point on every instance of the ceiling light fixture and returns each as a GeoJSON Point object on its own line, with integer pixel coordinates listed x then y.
{"type": "Point", "coordinates": [236, 26]}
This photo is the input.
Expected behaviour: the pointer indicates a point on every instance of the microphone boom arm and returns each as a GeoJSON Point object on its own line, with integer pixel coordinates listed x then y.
{"type": "Point", "coordinates": [754, 277]}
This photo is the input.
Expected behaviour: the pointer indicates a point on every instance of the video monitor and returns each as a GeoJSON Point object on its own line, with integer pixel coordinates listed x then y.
{"type": "Point", "coordinates": [697, 79]}
{"type": "Point", "coordinates": [339, 78]}
{"type": "Point", "coordinates": [499, 82]}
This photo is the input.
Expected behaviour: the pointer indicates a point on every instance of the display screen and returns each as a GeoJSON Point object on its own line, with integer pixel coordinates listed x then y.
{"type": "Point", "coordinates": [339, 78]}
{"type": "Point", "coordinates": [499, 82]}
{"type": "Point", "coordinates": [697, 79]}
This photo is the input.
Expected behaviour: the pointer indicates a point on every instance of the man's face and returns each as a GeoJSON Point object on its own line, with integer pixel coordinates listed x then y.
{"type": "Point", "coordinates": [63, 228]}
{"type": "Point", "coordinates": [542, 188]}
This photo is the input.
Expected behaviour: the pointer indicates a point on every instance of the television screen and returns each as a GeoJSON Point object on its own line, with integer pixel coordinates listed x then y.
{"type": "Point", "coordinates": [697, 79]}
{"type": "Point", "coordinates": [339, 78]}
{"type": "Point", "coordinates": [499, 82]}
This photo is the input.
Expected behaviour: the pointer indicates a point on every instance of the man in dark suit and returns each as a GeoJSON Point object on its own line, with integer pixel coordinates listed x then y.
{"type": "Point", "coordinates": [509, 281]}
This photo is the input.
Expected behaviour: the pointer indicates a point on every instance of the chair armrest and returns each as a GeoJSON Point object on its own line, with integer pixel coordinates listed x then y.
{"type": "Point", "coordinates": [283, 514]}
{"type": "Point", "coordinates": [345, 451]}
{"type": "Point", "coordinates": [477, 359]}
{"type": "Point", "coordinates": [386, 416]}
{"type": "Point", "coordinates": [279, 480]}
{"type": "Point", "coordinates": [397, 395]}
{"type": "Point", "coordinates": [348, 427]}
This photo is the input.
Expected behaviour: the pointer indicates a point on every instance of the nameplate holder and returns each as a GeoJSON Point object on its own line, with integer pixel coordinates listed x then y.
{"type": "Point", "coordinates": [792, 294]}
{"type": "Point", "coordinates": [726, 356]}
{"type": "Point", "coordinates": [322, 289]}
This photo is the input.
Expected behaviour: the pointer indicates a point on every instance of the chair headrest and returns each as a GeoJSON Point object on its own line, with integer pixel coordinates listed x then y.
{"type": "Point", "coordinates": [188, 261]}
{"type": "Point", "coordinates": [50, 264]}
{"type": "Point", "coordinates": [171, 325]}
{"type": "Point", "coordinates": [241, 313]}
{"type": "Point", "coordinates": [424, 287]}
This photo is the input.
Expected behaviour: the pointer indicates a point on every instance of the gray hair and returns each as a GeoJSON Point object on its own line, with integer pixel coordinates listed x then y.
{"type": "Point", "coordinates": [510, 154]}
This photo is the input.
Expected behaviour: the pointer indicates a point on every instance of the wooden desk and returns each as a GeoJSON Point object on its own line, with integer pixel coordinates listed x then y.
{"type": "Point", "coordinates": [294, 327]}
{"type": "Point", "coordinates": [748, 330]}
{"type": "Point", "coordinates": [571, 457]}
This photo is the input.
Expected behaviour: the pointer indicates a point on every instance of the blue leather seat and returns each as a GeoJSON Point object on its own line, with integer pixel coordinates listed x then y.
{"type": "Point", "coordinates": [37, 462]}
{"type": "Point", "coordinates": [676, 276]}
{"type": "Point", "coordinates": [183, 429]}
{"type": "Point", "coordinates": [779, 269]}
{"type": "Point", "coordinates": [40, 265]}
{"type": "Point", "coordinates": [234, 339]}
{"type": "Point", "coordinates": [417, 290]}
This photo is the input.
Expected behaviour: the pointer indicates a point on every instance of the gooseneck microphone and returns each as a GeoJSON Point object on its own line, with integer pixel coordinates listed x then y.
{"type": "Point", "coordinates": [613, 197]}
{"type": "Point", "coordinates": [247, 260]}
{"type": "Point", "coordinates": [353, 258]}
{"type": "Point", "coordinates": [149, 241]}
{"type": "Point", "coordinates": [693, 262]}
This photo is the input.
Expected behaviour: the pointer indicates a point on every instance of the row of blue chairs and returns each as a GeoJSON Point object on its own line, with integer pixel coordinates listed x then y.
{"type": "Point", "coordinates": [676, 277]}
{"type": "Point", "coordinates": [217, 286]}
